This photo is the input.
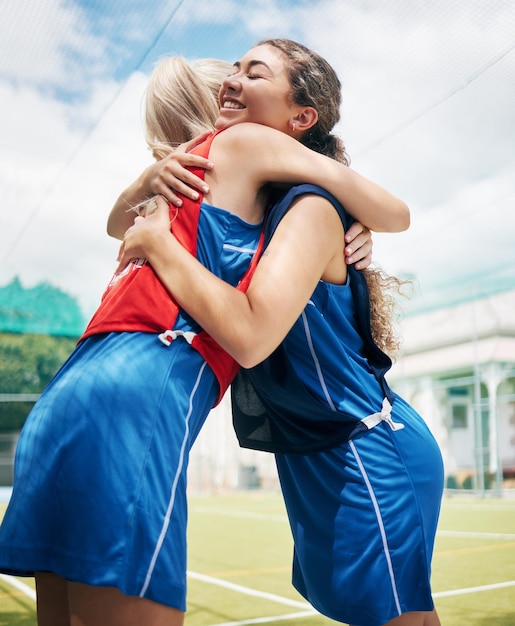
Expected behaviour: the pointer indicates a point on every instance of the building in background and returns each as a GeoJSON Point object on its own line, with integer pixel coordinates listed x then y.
{"type": "Point", "coordinates": [457, 368]}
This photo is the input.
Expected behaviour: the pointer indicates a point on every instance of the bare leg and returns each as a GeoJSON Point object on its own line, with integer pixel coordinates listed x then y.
{"type": "Point", "coordinates": [107, 606]}
{"type": "Point", "coordinates": [52, 600]}
{"type": "Point", "coordinates": [416, 618]}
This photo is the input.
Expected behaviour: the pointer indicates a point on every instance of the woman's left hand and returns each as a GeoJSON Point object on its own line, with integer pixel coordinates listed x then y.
{"type": "Point", "coordinates": [146, 234]}
{"type": "Point", "coordinates": [358, 250]}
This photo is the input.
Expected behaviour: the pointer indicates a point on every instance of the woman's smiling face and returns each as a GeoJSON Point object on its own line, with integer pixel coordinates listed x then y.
{"type": "Point", "coordinates": [258, 91]}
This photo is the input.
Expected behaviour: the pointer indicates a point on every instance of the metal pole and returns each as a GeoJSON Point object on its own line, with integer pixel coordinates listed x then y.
{"type": "Point", "coordinates": [478, 426]}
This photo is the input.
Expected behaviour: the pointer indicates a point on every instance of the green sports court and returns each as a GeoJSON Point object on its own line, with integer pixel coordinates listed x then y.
{"type": "Point", "coordinates": [239, 565]}
{"type": "Point", "coordinates": [426, 113]}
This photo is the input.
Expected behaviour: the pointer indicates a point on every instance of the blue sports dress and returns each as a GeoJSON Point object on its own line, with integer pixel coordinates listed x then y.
{"type": "Point", "coordinates": [361, 474]}
{"type": "Point", "coordinates": [100, 472]}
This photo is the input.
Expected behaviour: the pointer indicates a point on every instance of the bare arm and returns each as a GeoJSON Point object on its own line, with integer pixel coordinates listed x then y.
{"type": "Point", "coordinates": [273, 156]}
{"type": "Point", "coordinates": [282, 160]}
{"type": "Point", "coordinates": [306, 247]}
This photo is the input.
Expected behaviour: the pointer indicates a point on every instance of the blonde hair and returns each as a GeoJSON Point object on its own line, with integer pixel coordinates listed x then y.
{"type": "Point", "coordinates": [182, 101]}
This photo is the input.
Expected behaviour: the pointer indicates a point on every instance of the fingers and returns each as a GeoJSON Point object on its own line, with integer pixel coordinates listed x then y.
{"type": "Point", "coordinates": [145, 233]}
{"type": "Point", "coordinates": [364, 263]}
{"type": "Point", "coordinates": [174, 179]}
{"type": "Point", "coordinates": [359, 252]}
{"type": "Point", "coordinates": [359, 248]}
{"type": "Point", "coordinates": [355, 230]}
{"type": "Point", "coordinates": [188, 185]}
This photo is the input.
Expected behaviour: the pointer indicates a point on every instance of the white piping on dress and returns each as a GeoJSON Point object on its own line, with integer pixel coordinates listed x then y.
{"type": "Point", "coordinates": [229, 246]}
{"type": "Point", "coordinates": [370, 421]}
{"type": "Point", "coordinates": [381, 526]}
{"type": "Point", "coordinates": [316, 361]}
{"type": "Point", "coordinates": [171, 502]}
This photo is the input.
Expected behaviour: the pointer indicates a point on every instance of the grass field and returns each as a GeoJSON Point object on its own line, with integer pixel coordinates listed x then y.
{"type": "Point", "coordinates": [239, 562]}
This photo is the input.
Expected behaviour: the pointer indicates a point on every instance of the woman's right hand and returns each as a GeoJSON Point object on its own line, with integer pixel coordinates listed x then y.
{"type": "Point", "coordinates": [145, 235]}
{"type": "Point", "coordinates": [169, 176]}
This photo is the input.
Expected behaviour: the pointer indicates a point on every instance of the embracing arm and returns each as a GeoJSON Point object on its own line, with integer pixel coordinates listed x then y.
{"type": "Point", "coordinates": [305, 247]}
{"type": "Point", "coordinates": [277, 157]}
{"type": "Point", "coordinates": [358, 240]}
{"type": "Point", "coordinates": [121, 217]}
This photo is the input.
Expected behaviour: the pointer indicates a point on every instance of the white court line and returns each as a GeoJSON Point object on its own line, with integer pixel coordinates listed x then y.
{"type": "Point", "coordinates": [475, 535]}
{"type": "Point", "coordinates": [248, 591]}
{"type": "Point", "coordinates": [308, 611]}
{"type": "Point", "coordinates": [284, 518]}
{"type": "Point", "coordinates": [460, 592]}
{"type": "Point", "coordinates": [272, 618]}
{"type": "Point", "coordinates": [14, 582]}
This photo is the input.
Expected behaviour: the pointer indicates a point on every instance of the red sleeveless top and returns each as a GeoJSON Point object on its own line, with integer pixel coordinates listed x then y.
{"type": "Point", "coordinates": [137, 301]}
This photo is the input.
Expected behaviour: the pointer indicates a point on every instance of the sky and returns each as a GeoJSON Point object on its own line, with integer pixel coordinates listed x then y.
{"type": "Point", "coordinates": [428, 112]}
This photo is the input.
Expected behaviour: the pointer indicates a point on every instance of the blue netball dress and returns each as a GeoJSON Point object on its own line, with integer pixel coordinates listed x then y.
{"type": "Point", "coordinates": [361, 474]}
{"type": "Point", "coordinates": [100, 473]}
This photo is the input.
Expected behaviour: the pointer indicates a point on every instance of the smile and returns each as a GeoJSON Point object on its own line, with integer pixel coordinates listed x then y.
{"type": "Point", "coordinates": [232, 104]}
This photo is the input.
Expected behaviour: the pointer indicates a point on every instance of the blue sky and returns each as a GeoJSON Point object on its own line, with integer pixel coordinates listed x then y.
{"type": "Point", "coordinates": [428, 111]}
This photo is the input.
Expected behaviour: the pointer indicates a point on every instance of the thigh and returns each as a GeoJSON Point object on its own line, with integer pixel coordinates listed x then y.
{"type": "Point", "coordinates": [107, 606]}
{"type": "Point", "coordinates": [416, 618]}
{"type": "Point", "coordinates": [52, 600]}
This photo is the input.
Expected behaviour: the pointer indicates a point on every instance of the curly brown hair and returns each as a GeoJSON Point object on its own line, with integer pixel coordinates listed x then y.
{"type": "Point", "coordinates": [384, 292]}
{"type": "Point", "coordinates": [315, 83]}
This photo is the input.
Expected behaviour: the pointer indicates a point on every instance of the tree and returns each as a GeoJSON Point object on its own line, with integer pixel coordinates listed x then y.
{"type": "Point", "coordinates": [27, 363]}
{"type": "Point", "coordinates": [43, 309]}
{"type": "Point", "coordinates": [38, 329]}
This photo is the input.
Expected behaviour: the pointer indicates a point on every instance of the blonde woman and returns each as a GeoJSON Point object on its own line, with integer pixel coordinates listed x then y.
{"type": "Point", "coordinates": [98, 511]}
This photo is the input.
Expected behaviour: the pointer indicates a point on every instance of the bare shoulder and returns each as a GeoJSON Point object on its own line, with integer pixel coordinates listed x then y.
{"type": "Point", "coordinates": [314, 209]}
{"type": "Point", "coordinates": [248, 136]}
{"type": "Point", "coordinates": [312, 221]}
{"type": "Point", "coordinates": [245, 148]}
{"type": "Point", "coordinates": [317, 219]}
{"type": "Point", "coordinates": [311, 237]}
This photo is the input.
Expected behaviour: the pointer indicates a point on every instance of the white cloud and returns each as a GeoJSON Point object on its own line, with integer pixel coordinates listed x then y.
{"type": "Point", "coordinates": [427, 112]}
{"type": "Point", "coordinates": [456, 246]}
{"type": "Point", "coordinates": [59, 200]}
{"type": "Point", "coordinates": [45, 43]}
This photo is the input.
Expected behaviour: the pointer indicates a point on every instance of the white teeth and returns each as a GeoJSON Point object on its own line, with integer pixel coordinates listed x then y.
{"type": "Point", "coordinates": [230, 104]}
